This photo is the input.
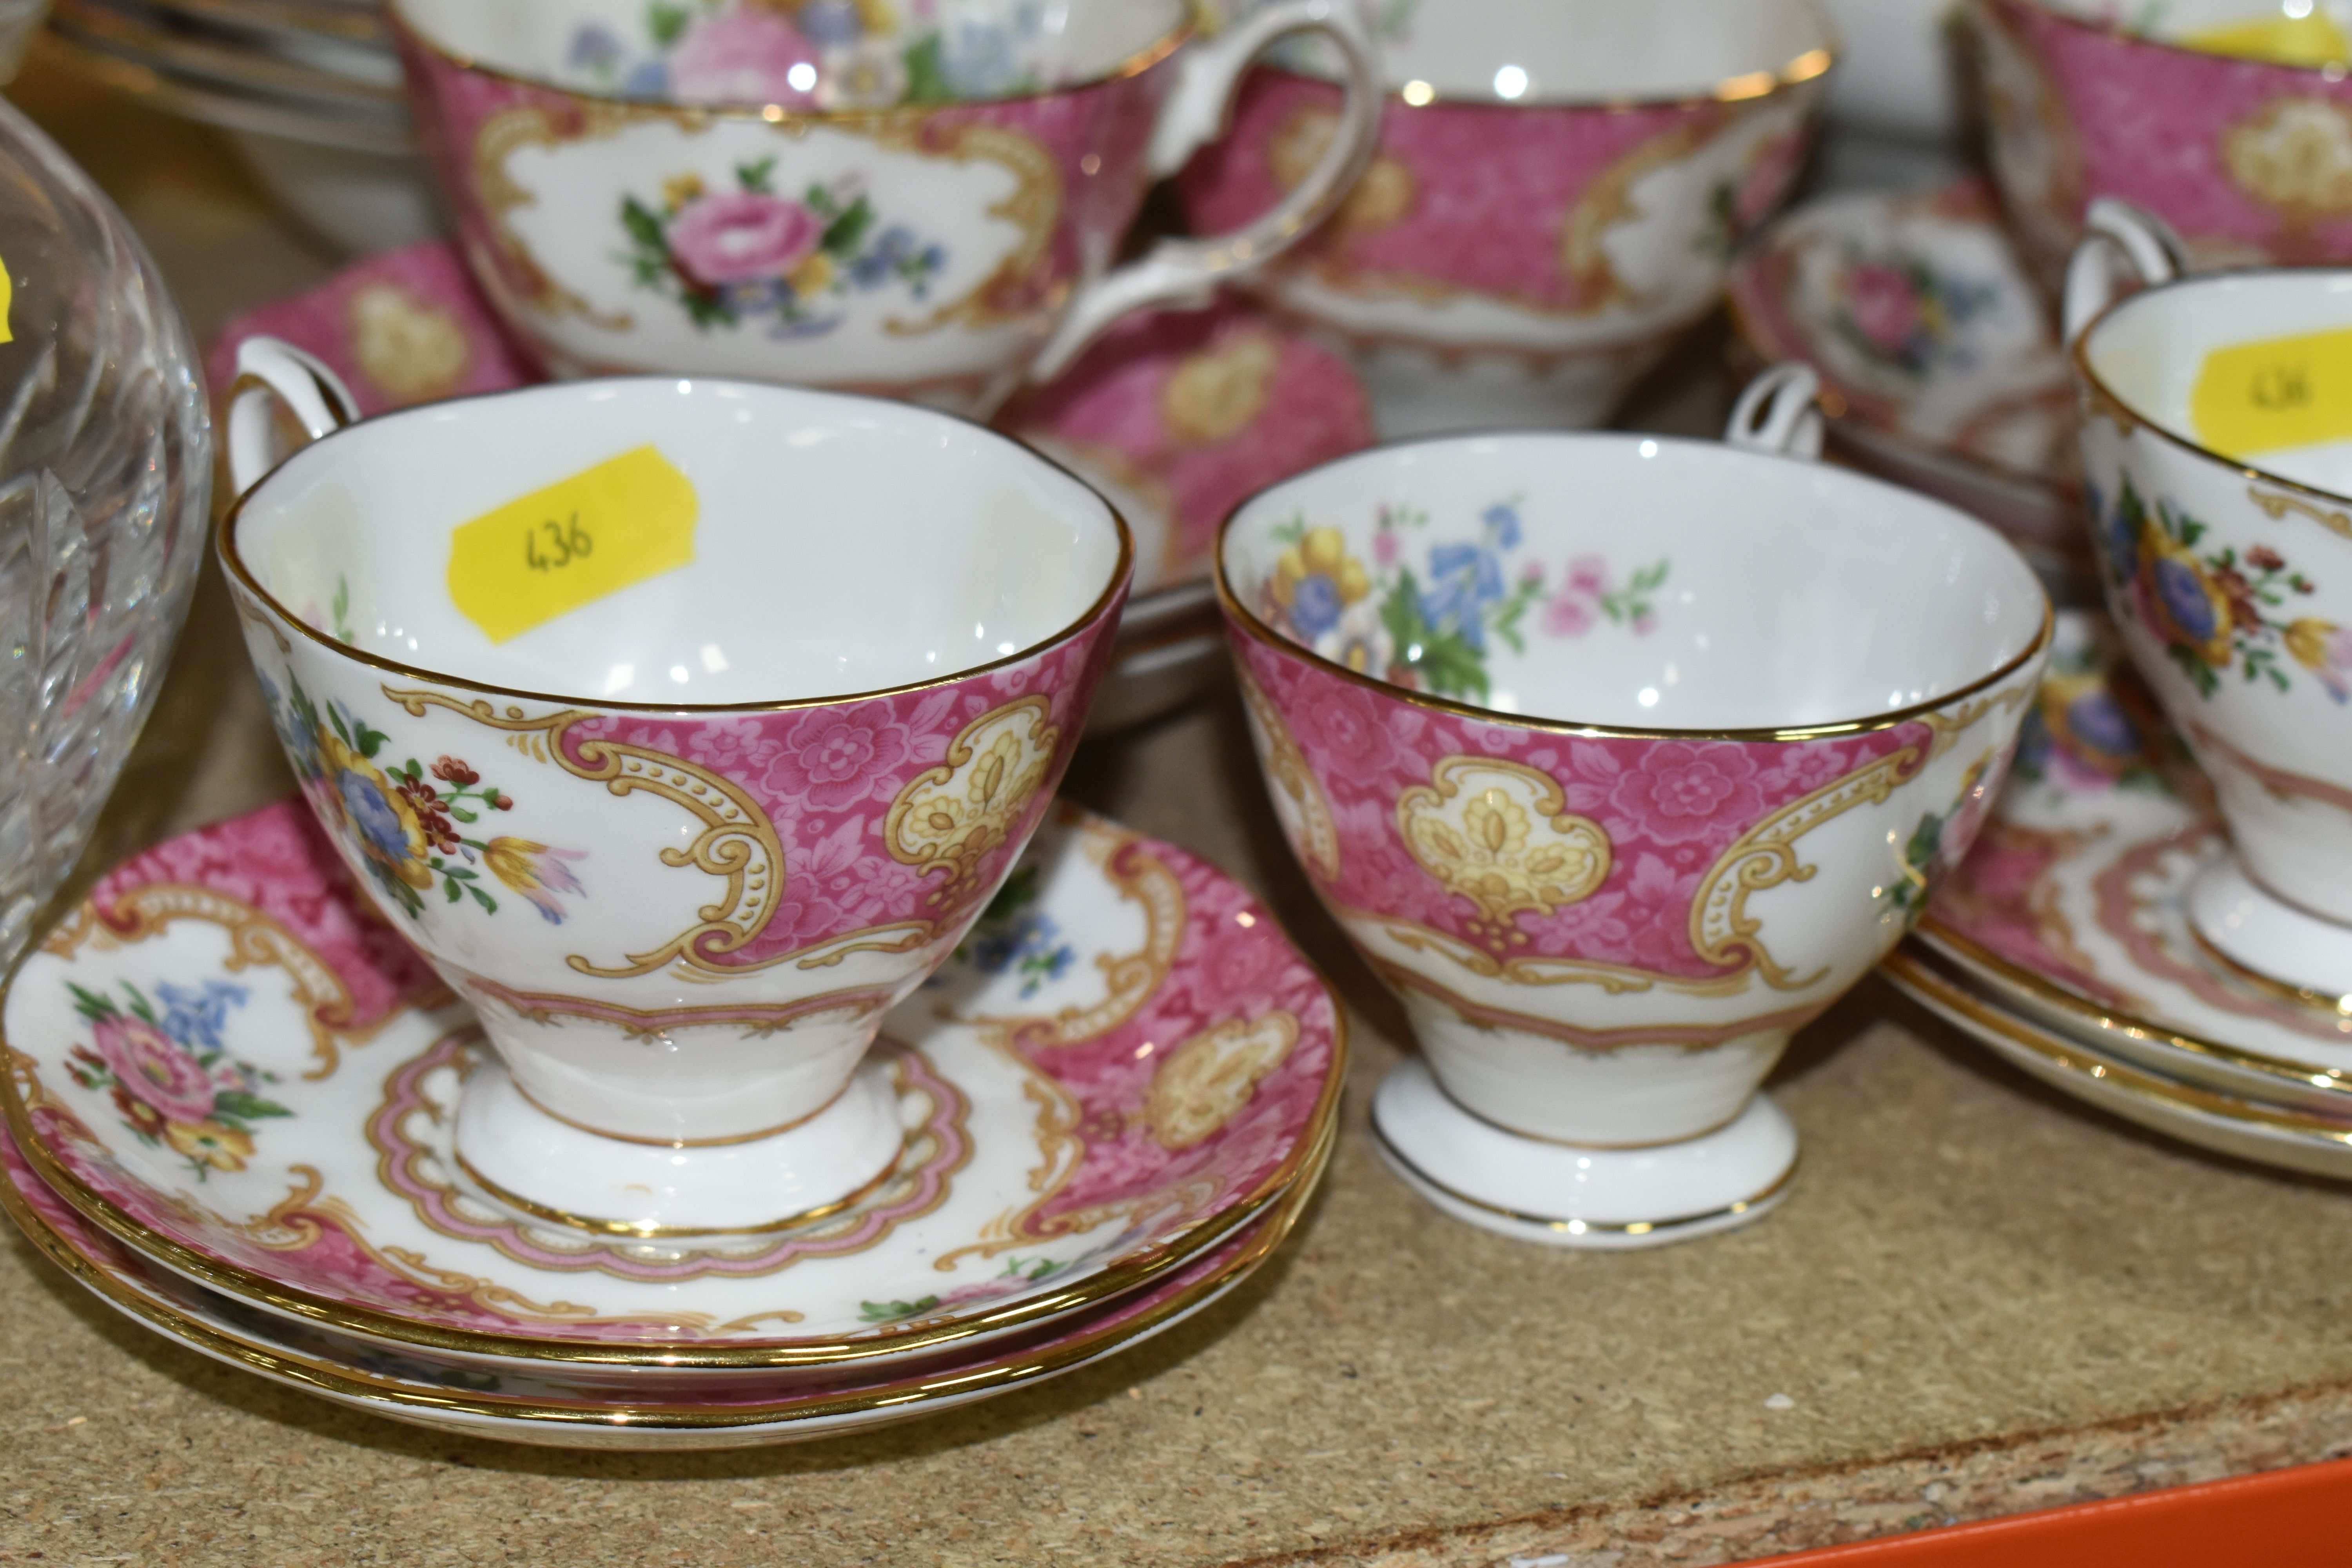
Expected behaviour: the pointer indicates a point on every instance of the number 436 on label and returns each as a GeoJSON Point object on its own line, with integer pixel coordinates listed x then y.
{"type": "Point", "coordinates": [547, 553]}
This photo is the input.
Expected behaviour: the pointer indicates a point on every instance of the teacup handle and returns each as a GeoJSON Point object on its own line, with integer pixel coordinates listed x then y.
{"type": "Point", "coordinates": [2115, 231]}
{"type": "Point", "coordinates": [271, 367]}
{"type": "Point", "coordinates": [1194, 115]}
{"type": "Point", "coordinates": [1777, 415]}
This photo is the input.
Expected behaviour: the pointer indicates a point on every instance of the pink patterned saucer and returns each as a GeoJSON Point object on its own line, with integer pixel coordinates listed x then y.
{"type": "Point", "coordinates": [1175, 415]}
{"type": "Point", "coordinates": [2071, 911]}
{"type": "Point", "coordinates": [225, 1060]}
{"type": "Point", "coordinates": [1940, 368]}
{"type": "Point", "coordinates": [629, 1407]}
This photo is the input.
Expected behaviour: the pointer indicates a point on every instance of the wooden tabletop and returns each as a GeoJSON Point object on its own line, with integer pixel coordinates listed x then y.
{"type": "Point", "coordinates": [1980, 1297]}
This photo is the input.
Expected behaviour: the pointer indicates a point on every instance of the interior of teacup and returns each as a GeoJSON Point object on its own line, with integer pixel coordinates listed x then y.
{"type": "Point", "coordinates": [1633, 583]}
{"type": "Point", "coordinates": [2248, 365]}
{"type": "Point", "coordinates": [1593, 51]}
{"type": "Point", "coordinates": [837, 545]}
{"type": "Point", "coordinates": [799, 53]}
{"type": "Point", "coordinates": [2295, 31]}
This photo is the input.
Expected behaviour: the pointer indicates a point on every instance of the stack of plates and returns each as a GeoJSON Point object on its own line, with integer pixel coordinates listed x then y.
{"type": "Point", "coordinates": [227, 1107]}
{"type": "Point", "coordinates": [2063, 943]}
{"type": "Point", "coordinates": [308, 90]}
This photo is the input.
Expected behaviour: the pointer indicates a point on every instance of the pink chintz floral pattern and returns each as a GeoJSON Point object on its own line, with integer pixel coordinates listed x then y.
{"type": "Point", "coordinates": [2247, 159]}
{"type": "Point", "coordinates": [1670, 808]}
{"type": "Point", "coordinates": [1232, 970]}
{"type": "Point", "coordinates": [826, 778]}
{"type": "Point", "coordinates": [1474, 197]}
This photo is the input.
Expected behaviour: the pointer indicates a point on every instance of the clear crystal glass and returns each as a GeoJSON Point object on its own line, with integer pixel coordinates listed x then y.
{"type": "Point", "coordinates": [105, 473]}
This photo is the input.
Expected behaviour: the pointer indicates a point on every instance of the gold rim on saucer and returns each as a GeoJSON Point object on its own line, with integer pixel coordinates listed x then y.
{"type": "Point", "coordinates": [327, 1377]}
{"type": "Point", "coordinates": [1920, 979]}
{"type": "Point", "coordinates": [1965, 951]}
{"type": "Point", "coordinates": [1294, 1172]}
{"type": "Point", "coordinates": [1293, 1175]}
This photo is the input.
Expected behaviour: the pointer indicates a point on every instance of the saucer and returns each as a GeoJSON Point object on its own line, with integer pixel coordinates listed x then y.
{"type": "Point", "coordinates": [2074, 906]}
{"type": "Point", "coordinates": [2248, 1129]}
{"type": "Point", "coordinates": [1175, 417]}
{"type": "Point", "coordinates": [639, 1409]}
{"type": "Point", "coordinates": [1940, 367]}
{"type": "Point", "coordinates": [1124, 1064]}
{"type": "Point", "coordinates": [1566, 1194]}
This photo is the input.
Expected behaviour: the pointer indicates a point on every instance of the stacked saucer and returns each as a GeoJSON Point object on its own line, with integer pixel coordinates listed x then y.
{"type": "Point", "coordinates": [229, 1091]}
{"type": "Point", "coordinates": [2063, 942]}
{"type": "Point", "coordinates": [1940, 367]}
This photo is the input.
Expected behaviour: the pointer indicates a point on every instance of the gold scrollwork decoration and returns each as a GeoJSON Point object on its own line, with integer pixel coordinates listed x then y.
{"type": "Point", "coordinates": [1501, 834]}
{"type": "Point", "coordinates": [737, 844]}
{"type": "Point", "coordinates": [1721, 930]}
{"type": "Point", "coordinates": [1948, 728]}
{"type": "Point", "coordinates": [1309, 817]}
{"type": "Point", "coordinates": [1533, 969]}
{"type": "Point", "coordinates": [1203, 1083]}
{"type": "Point", "coordinates": [2275, 507]}
{"type": "Point", "coordinates": [948, 820]}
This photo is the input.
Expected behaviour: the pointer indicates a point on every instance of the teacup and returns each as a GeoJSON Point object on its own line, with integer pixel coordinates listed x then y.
{"type": "Point", "coordinates": [1620, 758]}
{"type": "Point", "coordinates": [1558, 190]}
{"type": "Point", "coordinates": [567, 674]}
{"type": "Point", "coordinates": [936, 222]}
{"type": "Point", "coordinates": [2219, 464]}
{"type": "Point", "coordinates": [2251, 159]}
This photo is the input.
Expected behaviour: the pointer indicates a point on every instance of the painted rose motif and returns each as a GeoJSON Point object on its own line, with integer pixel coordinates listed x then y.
{"type": "Point", "coordinates": [408, 824]}
{"type": "Point", "coordinates": [741, 236]}
{"type": "Point", "coordinates": [169, 1075]}
{"type": "Point", "coordinates": [2217, 611]}
{"type": "Point", "coordinates": [752, 254]}
{"type": "Point", "coordinates": [1430, 630]}
{"type": "Point", "coordinates": [742, 55]}
{"type": "Point", "coordinates": [1899, 314]}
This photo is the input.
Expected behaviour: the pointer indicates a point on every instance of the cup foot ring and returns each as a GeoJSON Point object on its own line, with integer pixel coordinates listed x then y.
{"type": "Point", "coordinates": [2248, 926]}
{"type": "Point", "coordinates": [552, 1171]}
{"type": "Point", "coordinates": [1559, 1196]}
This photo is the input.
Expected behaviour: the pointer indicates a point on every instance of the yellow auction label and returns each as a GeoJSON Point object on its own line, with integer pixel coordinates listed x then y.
{"type": "Point", "coordinates": [2278, 393]}
{"type": "Point", "coordinates": [2310, 40]}
{"type": "Point", "coordinates": [554, 550]}
{"type": "Point", "coordinates": [8, 304]}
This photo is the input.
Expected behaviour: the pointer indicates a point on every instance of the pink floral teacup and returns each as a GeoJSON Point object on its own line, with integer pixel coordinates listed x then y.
{"type": "Point", "coordinates": [2228, 558]}
{"type": "Point", "coordinates": [566, 673]}
{"type": "Point", "coordinates": [826, 193]}
{"type": "Point", "coordinates": [1620, 758]}
{"type": "Point", "coordinates": [1557, 193]}
{"type": "Point", "coordinates": [2248, 158]}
